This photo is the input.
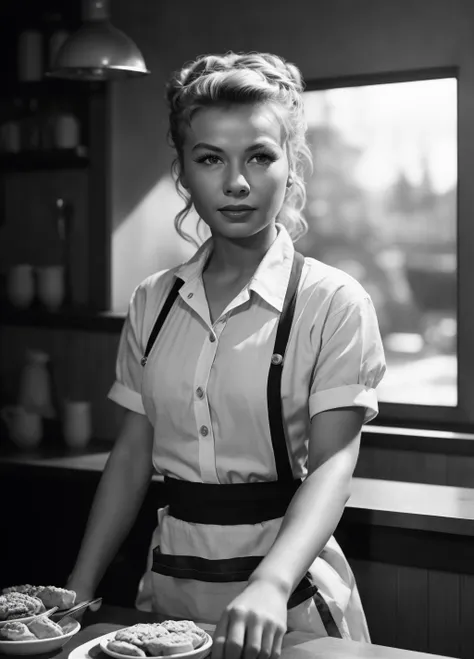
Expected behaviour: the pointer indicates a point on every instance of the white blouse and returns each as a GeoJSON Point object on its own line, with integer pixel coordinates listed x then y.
{"type": "Point", "coordinates": [204, 385]}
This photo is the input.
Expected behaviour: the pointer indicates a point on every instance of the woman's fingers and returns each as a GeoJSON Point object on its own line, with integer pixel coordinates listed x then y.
{"type": "Point", "coordinates": [235, 640]}
{"type": "Point", "coordinates": [267, 642]}
{"type": "Point", "coordinates": [219, 637]}
{"type": "Point", "coordinates": [277, 643]}
{"type": "Point", "coordinates": [253, 639]}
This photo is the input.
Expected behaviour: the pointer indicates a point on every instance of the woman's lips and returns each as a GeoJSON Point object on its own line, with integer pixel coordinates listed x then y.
{"type": "Point", "coordinates": [236, 215]}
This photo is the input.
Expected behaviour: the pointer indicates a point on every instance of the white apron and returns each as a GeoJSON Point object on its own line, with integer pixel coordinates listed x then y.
{"type": "Point", "coordinates": [200, 559]}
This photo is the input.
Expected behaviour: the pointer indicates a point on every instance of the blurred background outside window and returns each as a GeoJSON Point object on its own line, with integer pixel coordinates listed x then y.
{"type": "Point", "coordinates": [382, 206]}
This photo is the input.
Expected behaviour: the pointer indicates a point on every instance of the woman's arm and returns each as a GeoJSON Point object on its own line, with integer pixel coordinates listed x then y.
{"type": "Point", "coordinates": [119, 496]}
{"type": "Point", "coordinates": [317, 506]}
{"type": "Point", "coordinates": [253, 624]}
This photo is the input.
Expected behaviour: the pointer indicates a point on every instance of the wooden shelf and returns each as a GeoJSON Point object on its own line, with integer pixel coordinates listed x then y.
{"type": "Point", "coordinates": [47, 87]}
{"type": "Point", "coordinates": [74, 319]}
{"type": "Point", "coordinates": [44, 159]}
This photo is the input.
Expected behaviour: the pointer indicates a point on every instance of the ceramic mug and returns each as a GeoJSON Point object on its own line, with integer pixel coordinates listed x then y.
{"type": "Point", "coordinates": [77, 423]}
{"type": "Point", "coordinates": [21, 285]}
{"type": "Point", "coordinates": [50, 280]}
{"type": "Point", "coordinates": [25, 428]}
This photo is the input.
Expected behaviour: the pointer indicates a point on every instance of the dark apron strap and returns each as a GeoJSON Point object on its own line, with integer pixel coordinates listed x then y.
{"type": "Point", "coordinates": [275, 412]}
{"type": "Point", "coordinates": [166, 308]}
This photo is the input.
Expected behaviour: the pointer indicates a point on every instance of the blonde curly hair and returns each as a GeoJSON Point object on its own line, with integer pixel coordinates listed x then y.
{"type": "Point", "coordinates": [242, 78]}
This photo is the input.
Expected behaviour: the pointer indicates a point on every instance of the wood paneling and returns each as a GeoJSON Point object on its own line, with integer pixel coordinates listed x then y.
{"type": "Point", "coordinates": [466, 617]}
{"type": "Point", "coordinates": [417, 609]}
{"type": "Point", "coordinates": [444, 613]}
{"type": "Point", "coordinates": [377, 585]}
{"type": "Point", "coordinates": [412, 608]}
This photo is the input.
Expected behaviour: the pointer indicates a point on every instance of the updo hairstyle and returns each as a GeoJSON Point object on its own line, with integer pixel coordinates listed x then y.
{"type": "Point", "coordinates": [242, 78]}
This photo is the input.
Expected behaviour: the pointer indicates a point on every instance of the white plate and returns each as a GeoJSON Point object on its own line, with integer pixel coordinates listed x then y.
{"type": "Point", "coordinates": [25, 620]}
{"type": "Point", "coordinates": [40, 645]}
{"type": "Point", "coordinates": [199, 653]}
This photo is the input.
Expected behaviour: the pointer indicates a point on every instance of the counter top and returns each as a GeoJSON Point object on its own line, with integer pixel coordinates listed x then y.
{"type": "Point", "coordinates": [295, 645]}
{"type": "Point", "coordinates": [416, 506]}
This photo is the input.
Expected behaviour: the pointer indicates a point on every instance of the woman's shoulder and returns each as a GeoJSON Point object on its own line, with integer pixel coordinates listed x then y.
{"type": "Point", "coordinates": [152, 290]}
{"type": "Point", "coordinates": [330, 286]}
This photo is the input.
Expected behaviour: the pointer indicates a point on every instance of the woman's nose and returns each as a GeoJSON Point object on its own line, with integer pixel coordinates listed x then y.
{"type": "Point", "coordinates": [236, 184]}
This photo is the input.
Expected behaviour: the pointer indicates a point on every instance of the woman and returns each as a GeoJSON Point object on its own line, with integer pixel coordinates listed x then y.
{"type": "Point", "coordinates": [247, 374]}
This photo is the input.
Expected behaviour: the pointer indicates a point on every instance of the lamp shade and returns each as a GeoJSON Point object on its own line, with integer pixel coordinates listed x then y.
{"type": "Point", "coordinates": [98, 51]}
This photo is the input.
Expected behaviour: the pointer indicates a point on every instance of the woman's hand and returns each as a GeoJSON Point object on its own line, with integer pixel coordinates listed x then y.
{"type": "Point", "coordinates": [83, 591]}
{"type": "Point", "coordinates": [253, 624]}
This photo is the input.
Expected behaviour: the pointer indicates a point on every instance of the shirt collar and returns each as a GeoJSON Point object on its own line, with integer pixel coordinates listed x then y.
{"type": "Point", "coordinates": [270, 279]}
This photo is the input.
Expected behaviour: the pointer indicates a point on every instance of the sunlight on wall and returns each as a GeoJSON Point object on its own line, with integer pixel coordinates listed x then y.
{"type": "Point", "coordinates": [146, 241]}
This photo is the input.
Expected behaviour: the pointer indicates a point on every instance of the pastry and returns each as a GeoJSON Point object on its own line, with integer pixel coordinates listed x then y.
{"type": "Point", "coordinates": [16, 631]}
{"type": "Point", "coordinates": [198, 636]}
{"type": "Point", "coordinates": [169, 644]}
{"type": "Point", "coordinates": [122, 647]}
{"type": "Point", "coordinates": [45, 628]}
{"type": "Point", "coordinates": [18, 605]}
{"type": "Point", "coordinates": [26, 589]}
{"type": "Point", "coordinates": [140, 633]}
{"type": "Point", "coordinates": [53, 596]}
{"type": "Point", "coordinates": [179, 626]}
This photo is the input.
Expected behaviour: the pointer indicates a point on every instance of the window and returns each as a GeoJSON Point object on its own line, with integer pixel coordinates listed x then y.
{"type": "Point", "coordinates": [382, 206]}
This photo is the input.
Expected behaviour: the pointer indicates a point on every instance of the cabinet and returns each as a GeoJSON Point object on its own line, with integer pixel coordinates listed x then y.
{"type": "Point", "coordinates": [53, 144]}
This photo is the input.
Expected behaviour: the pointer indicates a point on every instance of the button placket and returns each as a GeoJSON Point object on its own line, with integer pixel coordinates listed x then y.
{"type": "Point", "coordinates": [204, 431]}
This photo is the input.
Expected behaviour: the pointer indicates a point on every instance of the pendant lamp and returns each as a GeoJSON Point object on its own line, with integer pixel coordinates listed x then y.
{"type": "Point", "coordinates": [97, 50]}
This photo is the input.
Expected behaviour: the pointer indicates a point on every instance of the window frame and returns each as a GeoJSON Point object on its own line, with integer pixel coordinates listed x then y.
{"type": "Point", "coordinates": [460, 417]}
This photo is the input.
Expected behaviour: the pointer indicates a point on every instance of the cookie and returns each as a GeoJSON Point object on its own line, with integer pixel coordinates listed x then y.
{"type": "Point", "coordinates": [18, 605]}
{"type": "Point", "coordinates": [45, 628]}
{"type": "Point", "coordinates": [179, 626]}
{"type": "Point", "coordinates": [53, 596]}
{"type": "Point", "coordinates": [16, 631]}
{"type": "Point", "coordinates": [198, 636]}
{"type": "Point", "coordinates": [122, 647]}
{"type": "Point", "coordinates": [169, 644]}
{"type": "Point", "coordinates": [139, 633]}
{"type": "Point", "coordinates": [26, 589]}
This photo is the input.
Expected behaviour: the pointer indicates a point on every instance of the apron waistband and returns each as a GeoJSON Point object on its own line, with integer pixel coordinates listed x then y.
{"type": "Point", "coordinates": [228, 505]}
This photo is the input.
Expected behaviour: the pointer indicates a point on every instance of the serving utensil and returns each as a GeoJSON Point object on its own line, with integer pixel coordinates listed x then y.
{"type": "Point", "coordinates": [92, 604]}
{"type": "Point", "coordinates": [45, 614]}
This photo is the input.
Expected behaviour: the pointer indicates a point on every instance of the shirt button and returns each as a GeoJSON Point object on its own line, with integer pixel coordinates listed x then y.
{"type": "Point", "coordinates": [204, 430]}
{"type": "Point", "coordinates": [212, 338]}
{"type": "Point", "coordinates": [199, 392]}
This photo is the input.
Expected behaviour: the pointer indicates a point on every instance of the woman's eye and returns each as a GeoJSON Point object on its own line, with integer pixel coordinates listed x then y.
{"type": "Point", "coordinates": [264, 158]}
{"type": "Point", "coordinates": [208, 159]}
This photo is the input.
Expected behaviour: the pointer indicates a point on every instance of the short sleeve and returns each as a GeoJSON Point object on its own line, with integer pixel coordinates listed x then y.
{"type": "Point", "coordinates": [351, 361]}
{"type": "Point", "coordinates": [126, 390]}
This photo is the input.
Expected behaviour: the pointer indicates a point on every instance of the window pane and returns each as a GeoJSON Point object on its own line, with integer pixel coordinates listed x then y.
{"type": "Point", "coordinates": [382, 206]}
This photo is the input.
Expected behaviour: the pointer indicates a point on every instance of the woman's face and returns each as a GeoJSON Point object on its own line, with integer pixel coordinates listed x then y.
{"type": "Point", "coordinates": [235, 158]}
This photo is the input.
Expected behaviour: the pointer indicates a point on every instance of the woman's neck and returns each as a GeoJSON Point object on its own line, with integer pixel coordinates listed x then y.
{"type": "Point", "coordinates": [234, 259]}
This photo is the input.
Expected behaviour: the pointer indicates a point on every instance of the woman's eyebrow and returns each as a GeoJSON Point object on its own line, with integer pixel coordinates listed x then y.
{"type": "Point", "coordinates": [253, 147]}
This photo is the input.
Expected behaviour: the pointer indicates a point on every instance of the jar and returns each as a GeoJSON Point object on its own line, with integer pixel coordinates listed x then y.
{"type": "Point", "coordinates": [20, 285]}
{"type": "Point", "coordinates": [51, 286]}
{"type": "Point", "coordinates": [35, 392]}
{"type": "Point", "coordinates": [11, 137]}
{"type": "Point", "coordinates": [66, 131]}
